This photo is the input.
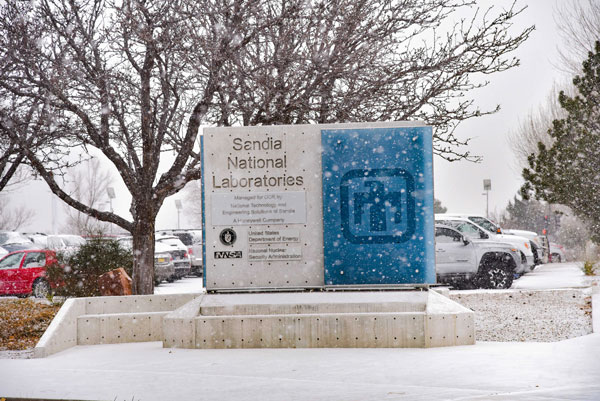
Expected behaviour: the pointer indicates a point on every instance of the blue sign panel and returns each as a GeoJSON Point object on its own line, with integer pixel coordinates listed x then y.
{"type": "Point", "coordinates": [378, 206]}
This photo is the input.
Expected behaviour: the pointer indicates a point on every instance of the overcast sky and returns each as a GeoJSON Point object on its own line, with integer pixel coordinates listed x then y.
{"type": "Point", "coordinates": [519, 91]}
{"type": "Point", "coordinates": [458, 185]}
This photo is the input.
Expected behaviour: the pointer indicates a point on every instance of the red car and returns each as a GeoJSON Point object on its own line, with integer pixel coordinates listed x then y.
{"type": "Point", "coordinates": [24, 272]}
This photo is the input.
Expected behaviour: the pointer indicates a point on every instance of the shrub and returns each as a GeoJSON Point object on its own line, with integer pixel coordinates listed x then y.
{"type": "Point", "coordinates": [589, 269]}
{"type": "Point", "coordinates": [79, 272]}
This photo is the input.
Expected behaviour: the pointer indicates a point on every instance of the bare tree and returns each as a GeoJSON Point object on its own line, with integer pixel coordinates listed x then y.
{"type": "Point", "coordinates": [89, 184]}
{"type": "Point", "coordinates": [10, 161]}
{"type": "Point", "coordinates": [135, 79]}
{"type": "Point", "coordinates": [14, 218]}
{"type": "Point", "coordinates": [349, 60]}
{"type": "Point", "coordinates": [131, 79]}
{"type": "Point", "coordinates": [579, 26]}
{"type": "Point", "coordinates": [524, 140]}
{"type": "Point", "coordinates": [192, 194]}
{"type": "Point", "coordinates": [21, 116]}
{"type": "Point", "coordinates": [578, 23]}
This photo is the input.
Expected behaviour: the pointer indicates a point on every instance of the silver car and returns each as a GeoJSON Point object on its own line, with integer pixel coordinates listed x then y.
{"type": "Point", "coordinates": [192, 239]}
{"type": "Point", "coordinates": [179, 252]}
{"type": "Point", "coordinates": [470, 262]}
{"type": "Point", "coordinates": [164, 268]}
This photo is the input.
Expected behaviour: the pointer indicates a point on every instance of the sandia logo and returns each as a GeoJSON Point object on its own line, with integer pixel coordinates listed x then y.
{"type": "Point", "coordinates": [377, 206]}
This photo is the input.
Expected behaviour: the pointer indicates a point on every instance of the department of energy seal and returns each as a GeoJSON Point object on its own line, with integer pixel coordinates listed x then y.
{"type": "Point", "coordinates": [228, 237]}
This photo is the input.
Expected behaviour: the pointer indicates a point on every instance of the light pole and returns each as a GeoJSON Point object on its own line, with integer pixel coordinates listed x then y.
{"type": "Point", "coordinates": [487, 187]}
{"type": "Point", "coordinates": [111, 195]}
{"type": "Point", "coordinates": [179, 206]}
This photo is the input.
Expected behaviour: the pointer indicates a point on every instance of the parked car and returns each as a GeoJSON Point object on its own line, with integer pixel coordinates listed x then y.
{"type": "Point", "coordinates": [539, 244]}
{"type": "Point", "coordinates": [193, 240]}
{"type": "Point", "coordinates": [65, 243]}
{"type": "Point", "coordinates": [14, 241]}
{"type": "Point", "coordinates": [557, 253]}
{"type": "Point", "coordinates": [24, 272]}
{"type": "Point", "coordinates": [465, 262]}
{"type": "Point", "coordinates": [481, 221]}
{"type": "Point", "coordinates": [40, 239]}
{"type": "Point", "coordinates": [473, 230]}
{"type": "Point", "coordinates": [164, 268]}
{"type": "Point", "coordinates": [179, 252]}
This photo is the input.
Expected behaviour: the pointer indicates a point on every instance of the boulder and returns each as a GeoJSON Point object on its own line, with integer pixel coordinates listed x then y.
{"type": "Point", "coordinates": [115, 282]}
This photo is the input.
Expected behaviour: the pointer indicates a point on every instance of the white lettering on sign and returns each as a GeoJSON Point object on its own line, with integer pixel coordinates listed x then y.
{"type": "Point", "coordinates": [230, 209]}
{"type": "Point", "coordinates": [274, 253]}
{"type": "Point", "coordinates": [269, 236]}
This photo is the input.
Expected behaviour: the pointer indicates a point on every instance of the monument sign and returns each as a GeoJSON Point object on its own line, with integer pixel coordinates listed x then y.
{"type": "Point", "coordinates": [308, 206]}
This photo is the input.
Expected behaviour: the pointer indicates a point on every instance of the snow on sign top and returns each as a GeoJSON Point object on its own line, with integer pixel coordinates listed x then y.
{"type": "Point", "coordinates": [308, 206]}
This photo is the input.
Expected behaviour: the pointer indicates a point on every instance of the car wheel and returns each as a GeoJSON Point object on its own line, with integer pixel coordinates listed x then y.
{"type": "Point", "coordinates": [556, 258]}
{"type": "Point", "coordinates": [496, 277]}
{"type": "Point", "coordinates": [41, 289]}
{"type": "Point", "coordinates": [156, 283]}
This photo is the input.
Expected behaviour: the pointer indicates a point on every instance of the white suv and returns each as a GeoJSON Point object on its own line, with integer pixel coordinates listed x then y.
{"type": "Point", "coordinates": [473, 230]}
{"type": "Point", "coordinates": [464, 262]}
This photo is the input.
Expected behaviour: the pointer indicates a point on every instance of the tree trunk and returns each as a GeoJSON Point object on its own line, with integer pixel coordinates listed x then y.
{"type": "Point", "coordinates": [143, 257]}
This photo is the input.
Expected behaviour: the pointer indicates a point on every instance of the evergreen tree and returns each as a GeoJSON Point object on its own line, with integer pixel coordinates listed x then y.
{"type": "Point", "coordinates": [568, 172]}
{"type": "Point", "coordinates": [437, 206]}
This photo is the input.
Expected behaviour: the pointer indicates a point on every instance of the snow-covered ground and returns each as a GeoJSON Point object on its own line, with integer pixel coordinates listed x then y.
{"type": "Point", "coordinates": [552, 276]}
{"type": "Point", "coordinates": [551, 303]}
{"type": "Point", "coordinates": [565, 370]}
{"type": "Point", "coordinates": [186, 285]}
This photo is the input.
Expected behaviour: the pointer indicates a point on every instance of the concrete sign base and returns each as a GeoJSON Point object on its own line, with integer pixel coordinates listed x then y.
{"type": "Point", "coordinates": [364, 319]}
{"type": "Point", "coordinates": [342, 319]}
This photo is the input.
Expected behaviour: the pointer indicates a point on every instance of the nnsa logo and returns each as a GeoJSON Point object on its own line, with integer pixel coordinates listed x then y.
{"type": "Point", "coordinates": [377, 206]}
{"type": "Point", "coordinates": [228, 254]}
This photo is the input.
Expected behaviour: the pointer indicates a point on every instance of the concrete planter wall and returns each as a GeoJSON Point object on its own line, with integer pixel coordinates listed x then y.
{"type": "Point", "coordinates": [108, 320]}
{"type": "Point", "coordinates": [345, 319]}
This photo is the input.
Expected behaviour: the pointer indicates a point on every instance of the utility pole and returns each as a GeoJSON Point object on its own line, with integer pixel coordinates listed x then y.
{"type": "Point", "coordinates": [487, 187]}
{"type": "Point", "coordinates": [111, 195]}
{"type": "Point", "coordinates": [179, 206]}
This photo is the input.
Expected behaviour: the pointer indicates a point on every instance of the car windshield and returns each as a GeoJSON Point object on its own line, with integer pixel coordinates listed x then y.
{"type": "Point", "coordinates": [11, 261]}
{"type": "Point", "coordinates": [197, 236]}
{"type": "Point", "coordinates": [185, 238]}
{"type": "Point", "coordinates": [484, 223]}
{"type": "Point", "coordinates": [171, 241]}
{"type": "Point", "coordinates": [467, 228]}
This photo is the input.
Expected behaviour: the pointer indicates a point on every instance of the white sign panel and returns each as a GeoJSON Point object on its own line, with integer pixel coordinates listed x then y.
{"type": "Point", "coordinates": [234, 209]}
{"type": "Point", "coordinates": [263, 207]}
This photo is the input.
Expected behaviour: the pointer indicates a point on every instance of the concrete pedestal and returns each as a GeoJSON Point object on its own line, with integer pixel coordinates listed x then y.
{"type": "Point", "coordinates": [343, 319]}
{"type": "Point", "coordinates": [364, 319]}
